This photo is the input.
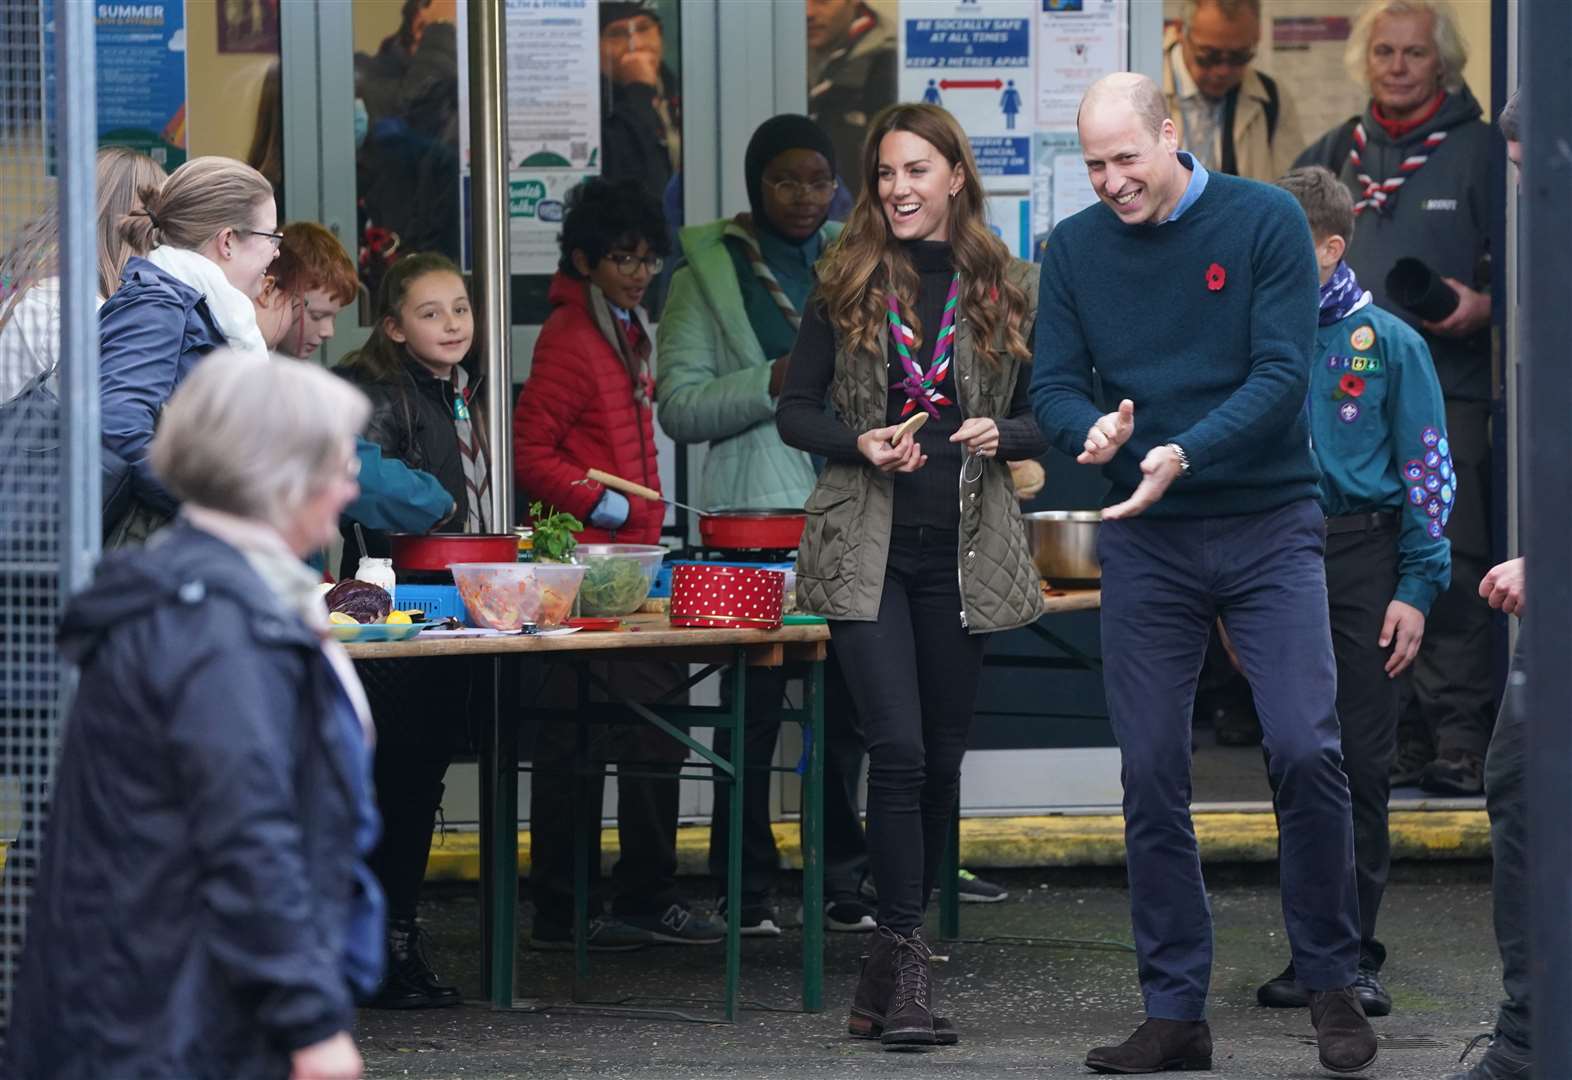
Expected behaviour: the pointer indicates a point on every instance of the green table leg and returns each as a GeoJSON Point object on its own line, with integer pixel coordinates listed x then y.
{"type": "Point", "coordinates": [737, 720]}
{"type": "Point", "coordinates": [813, 844]}
{"type": "Point", "coordinates": [581, 827]}
{"type": "Point", "coordinates": [499, 885]}
{"type": "Point", "coordinates": [950, 880]}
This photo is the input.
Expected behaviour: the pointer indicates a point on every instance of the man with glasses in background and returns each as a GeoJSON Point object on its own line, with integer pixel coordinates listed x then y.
{"type": "Point", "coordinates": [1231, 117]}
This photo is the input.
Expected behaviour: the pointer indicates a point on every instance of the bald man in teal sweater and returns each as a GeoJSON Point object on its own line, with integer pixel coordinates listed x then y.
{"type": "Point", "coordinates": [1193, 297]}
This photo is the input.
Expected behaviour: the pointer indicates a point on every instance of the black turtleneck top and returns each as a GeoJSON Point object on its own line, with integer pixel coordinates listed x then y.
{"type": "Point", "coordinates": [930, 496]}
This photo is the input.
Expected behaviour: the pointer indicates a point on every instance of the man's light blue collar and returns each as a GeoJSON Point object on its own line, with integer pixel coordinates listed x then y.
{"type": "Point", "coordinates": [1192, 191]}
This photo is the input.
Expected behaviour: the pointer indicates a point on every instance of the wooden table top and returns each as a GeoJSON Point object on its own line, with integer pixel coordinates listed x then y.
{"type": "Point", "coordinates": [644, 633]}
{"type": "Point", "coordinates": [654, 634]}
{"type": "Point", "coordinates": [1059, 601]}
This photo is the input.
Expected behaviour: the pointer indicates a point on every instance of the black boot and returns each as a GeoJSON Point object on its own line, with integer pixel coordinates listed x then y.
{"type": "Point", "coordinates": [409, 982]}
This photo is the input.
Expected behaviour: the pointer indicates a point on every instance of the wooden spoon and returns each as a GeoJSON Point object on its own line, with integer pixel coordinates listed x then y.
{"type": "Point", "coordinates": [909, 427]}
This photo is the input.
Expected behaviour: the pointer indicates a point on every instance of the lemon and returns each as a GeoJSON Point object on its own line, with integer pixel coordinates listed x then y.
{"type": "Point", "coordinates": [338, 618]}
{"type": "Point", "coordinates": [399, 618]}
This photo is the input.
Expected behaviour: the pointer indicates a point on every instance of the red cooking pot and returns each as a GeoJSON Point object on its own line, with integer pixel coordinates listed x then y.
{"type": "Point", "coordinates": [435, 552]}
{"type": "Point", "coordinates": [779, 530]}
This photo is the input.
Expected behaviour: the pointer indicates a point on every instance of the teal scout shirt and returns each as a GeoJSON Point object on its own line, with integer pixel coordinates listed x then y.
{"type": "Point", "coordinates": [1378, 429]}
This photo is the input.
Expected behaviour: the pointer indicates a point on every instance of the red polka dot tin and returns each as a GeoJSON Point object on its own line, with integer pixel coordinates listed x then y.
{"type": "Point", "coordinates": [726, 597]}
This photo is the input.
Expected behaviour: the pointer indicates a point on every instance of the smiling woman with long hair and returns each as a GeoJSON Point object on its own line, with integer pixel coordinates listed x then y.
{"type": "Point", "coordinates": [914, 546]}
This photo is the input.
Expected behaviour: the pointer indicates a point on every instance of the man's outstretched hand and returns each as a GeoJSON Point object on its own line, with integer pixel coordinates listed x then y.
{"type": "Point", "coordinates": [1159, 468]}
{"type": "Point", "coordinates": [1104, 438]}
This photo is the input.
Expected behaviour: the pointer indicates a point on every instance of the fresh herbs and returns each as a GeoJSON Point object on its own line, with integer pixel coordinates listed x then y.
{"type": "Point", "coordinates": [553, 533]}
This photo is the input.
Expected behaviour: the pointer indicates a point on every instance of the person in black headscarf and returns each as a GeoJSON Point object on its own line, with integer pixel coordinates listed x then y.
{"type": "Point", "coordinates": [723, 344]}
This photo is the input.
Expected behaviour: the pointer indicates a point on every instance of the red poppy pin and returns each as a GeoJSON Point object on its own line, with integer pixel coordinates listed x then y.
{"type": "Point", "coordinates": [1216, 277]}
{"type": "Point", "coordinates": [1352, 385]}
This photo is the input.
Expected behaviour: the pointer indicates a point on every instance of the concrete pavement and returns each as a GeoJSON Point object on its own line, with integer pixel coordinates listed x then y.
{"type": "Point", "coordinates": [1024, 1010]}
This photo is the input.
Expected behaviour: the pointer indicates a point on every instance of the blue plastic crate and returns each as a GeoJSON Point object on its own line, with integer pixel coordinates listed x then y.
{"type": "Point", "coordinates": [662, 586]}
{"type": "Point", "coordinates": [437, 601]}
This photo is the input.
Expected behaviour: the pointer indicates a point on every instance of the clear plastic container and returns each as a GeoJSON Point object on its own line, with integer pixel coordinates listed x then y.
{"type": "Point", "coordinates": [505, 596]}
{"type": "Point", "coordinates": [619, 576]}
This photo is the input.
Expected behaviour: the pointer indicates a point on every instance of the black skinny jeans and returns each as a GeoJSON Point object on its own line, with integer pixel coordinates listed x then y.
{"type": "Point", "coordinates": [913, 674]}
{"type": "Point", "coordinates": [420, 708]}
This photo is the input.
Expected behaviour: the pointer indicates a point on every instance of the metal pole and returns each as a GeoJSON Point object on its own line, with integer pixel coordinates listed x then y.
{"type": "Point", "coordinates": [488, 142]}
{"type": "Point", "coordinates": [1547, 407]}
{"type": "Point", "coordinates": [75, 148]}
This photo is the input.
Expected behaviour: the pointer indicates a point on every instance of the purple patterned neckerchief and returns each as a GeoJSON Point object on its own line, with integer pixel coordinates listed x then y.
{"type": "Point", "coordinates": [1340, 295]}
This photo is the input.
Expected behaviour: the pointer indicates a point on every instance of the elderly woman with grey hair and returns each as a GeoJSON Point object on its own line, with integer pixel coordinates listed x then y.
{"type": "Point", "coordinates": [203, 907]}
{"type": "Point", "coordinates": [1417, 162]}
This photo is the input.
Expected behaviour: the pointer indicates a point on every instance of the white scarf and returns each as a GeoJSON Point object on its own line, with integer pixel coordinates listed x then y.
{"type": "Point", "coordinates": [232, 309]}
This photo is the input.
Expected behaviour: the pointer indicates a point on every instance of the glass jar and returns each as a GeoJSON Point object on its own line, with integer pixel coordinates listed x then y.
{"type": "Point", "coordinates": [378, 572]}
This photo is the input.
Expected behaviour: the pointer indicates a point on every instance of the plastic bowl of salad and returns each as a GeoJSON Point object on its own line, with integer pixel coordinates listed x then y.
{"type": "Point", "coordinates": [506, 596]}
{"type": "Point", "coordinates": [617, 577]}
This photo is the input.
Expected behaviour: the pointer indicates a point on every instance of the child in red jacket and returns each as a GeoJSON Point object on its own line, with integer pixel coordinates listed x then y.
{"type": "Point", "coordinates": [588, 400]}
{"type": "Point", "coordinates": [587, 404]}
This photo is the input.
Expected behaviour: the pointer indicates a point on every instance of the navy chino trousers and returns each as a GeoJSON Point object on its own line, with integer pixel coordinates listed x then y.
{"type": "Point", "coordinates": [1164, 583]}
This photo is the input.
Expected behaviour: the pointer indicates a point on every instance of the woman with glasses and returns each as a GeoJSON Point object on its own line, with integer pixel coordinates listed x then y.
{"type": "Point", "coordinates": [589, 404]}
{"type": "Point", "coordinates": [725, 342]}
{"type": "Point", "coordinates": [210, 233]}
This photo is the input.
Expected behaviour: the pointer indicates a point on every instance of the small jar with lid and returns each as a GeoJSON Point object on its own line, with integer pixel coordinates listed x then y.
{"type": "Point", "coordinates": [379, 572]}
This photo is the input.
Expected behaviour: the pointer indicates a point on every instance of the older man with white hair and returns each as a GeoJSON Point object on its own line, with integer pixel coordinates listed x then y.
{"type": "Point", "coordinates": [1193, 295]}
{"type": "Point", "coordinates": [1417, 162]}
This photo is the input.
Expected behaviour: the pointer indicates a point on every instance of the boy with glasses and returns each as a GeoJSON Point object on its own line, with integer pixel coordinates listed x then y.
{"type": "Point", "coordinates": [589, 404]}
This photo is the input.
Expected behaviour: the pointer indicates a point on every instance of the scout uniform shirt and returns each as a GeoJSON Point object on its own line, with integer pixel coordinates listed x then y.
{"type": "Point", "coordinates": [1378, 430]}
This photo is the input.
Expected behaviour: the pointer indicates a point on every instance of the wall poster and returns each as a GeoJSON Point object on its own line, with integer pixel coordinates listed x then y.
{"type": "Point", "coordinates": [553, 115]}
{"type": "Point", "coordinates": [974, 57]}
{"type": "Point", "coordinates": [141, 72]}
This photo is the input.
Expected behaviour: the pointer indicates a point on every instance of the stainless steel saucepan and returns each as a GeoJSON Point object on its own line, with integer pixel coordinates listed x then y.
{"type": "Point", "coordinates": [1063, 544]}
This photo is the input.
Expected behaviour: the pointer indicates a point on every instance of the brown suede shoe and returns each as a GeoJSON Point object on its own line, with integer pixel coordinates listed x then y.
{"type": "Point", "coordinates": [1158, 1046]}
{"type": "Point", "coordinates": [873, 996]}
{"type": "Point", "coordinates": [1342, 1034]}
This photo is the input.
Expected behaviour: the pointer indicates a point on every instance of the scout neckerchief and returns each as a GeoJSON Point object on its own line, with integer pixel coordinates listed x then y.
{"type": "Point", "coordinates": [628, 335]}
{"type": "Point", "coordinates": [1341, 296]}
{"type": "Point", "coordinates": [922, 388]}
{"type": "Point", "coordinates": [1378, 194]}
{"type": "Point", "coordinates": [477, 481]}
{"type": "Point", "coordinates": [762, 271]}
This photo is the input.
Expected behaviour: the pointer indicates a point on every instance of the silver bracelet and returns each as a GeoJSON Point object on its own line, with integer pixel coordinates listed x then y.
{"type": "Point", "coordinates": [1184, 459]}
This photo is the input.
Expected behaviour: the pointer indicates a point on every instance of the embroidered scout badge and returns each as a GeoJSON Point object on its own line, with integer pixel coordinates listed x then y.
{"type": "Point", "coordinates": [1362, 338]}
{"type": "Point", "coordinates": [1348, 412]}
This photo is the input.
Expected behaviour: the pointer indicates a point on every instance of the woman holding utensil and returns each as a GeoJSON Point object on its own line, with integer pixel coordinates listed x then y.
{"type": "Point", "coordinates": [914, 546]}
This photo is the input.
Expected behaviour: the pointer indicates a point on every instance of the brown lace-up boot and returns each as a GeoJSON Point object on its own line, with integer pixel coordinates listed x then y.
{"type": "Point", "coordinates": [908, 1022]}
{"type": "Point", "coordinates": [875, 989]}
